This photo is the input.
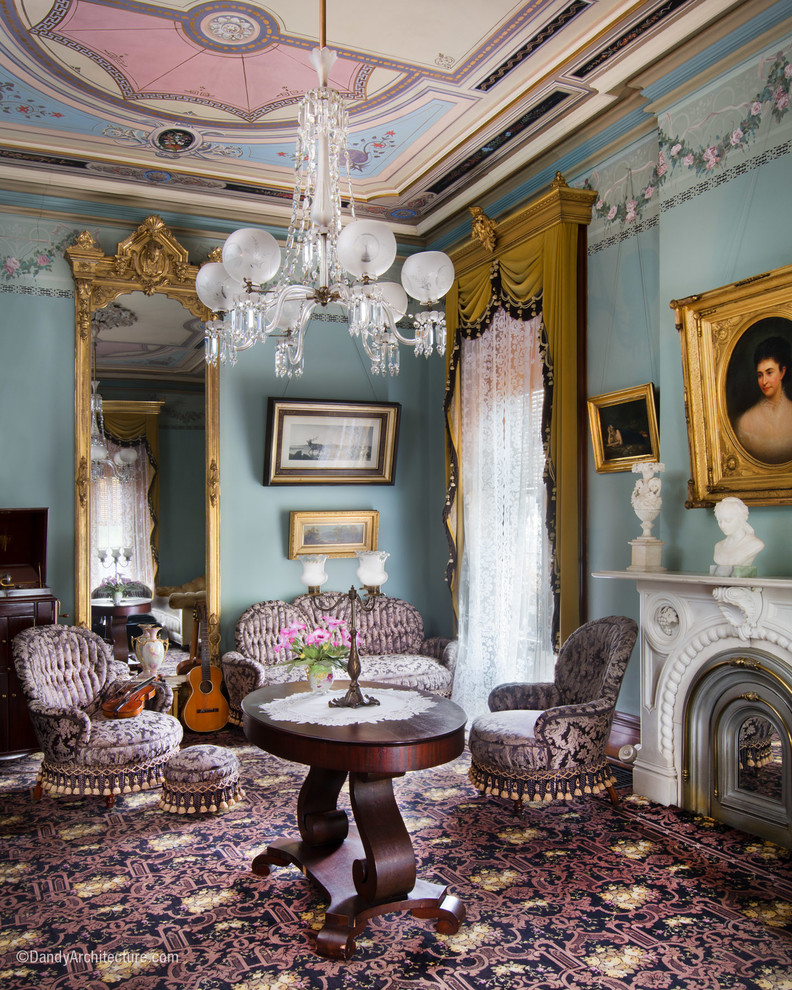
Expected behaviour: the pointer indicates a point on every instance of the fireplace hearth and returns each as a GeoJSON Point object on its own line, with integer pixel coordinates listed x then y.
{"type": "Point", "coordinates": [716, 697]}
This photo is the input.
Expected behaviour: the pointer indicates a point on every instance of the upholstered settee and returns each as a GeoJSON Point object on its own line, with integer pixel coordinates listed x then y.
{"type": "Point", "coordinates": [391, 646]}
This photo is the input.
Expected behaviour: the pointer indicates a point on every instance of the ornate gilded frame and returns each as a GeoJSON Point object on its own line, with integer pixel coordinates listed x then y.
{"type": "Point", "coordinates": [719, 330]}
{"type": "Point", "coordinates": [150, 260]}
{"type": "Point", "coordinates": [629, 408]}
{"type": "Point", "coordinates": [333, 532]}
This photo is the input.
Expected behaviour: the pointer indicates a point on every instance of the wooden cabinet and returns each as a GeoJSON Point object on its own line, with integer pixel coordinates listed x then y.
{"type": "Point", "coordinates": [17, 613]}
{"type": "Point", "coordinates": [24, 602]}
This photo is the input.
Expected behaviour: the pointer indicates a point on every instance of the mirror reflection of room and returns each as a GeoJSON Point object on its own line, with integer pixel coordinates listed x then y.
{"type": "Point", "coordinates": [147, 532]}
{"type": "Point", "coordinates": [761, 758]}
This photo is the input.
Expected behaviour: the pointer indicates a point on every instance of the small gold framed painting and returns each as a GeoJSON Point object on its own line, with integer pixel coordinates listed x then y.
{"type": "Point", "coordinates": [624, 428]}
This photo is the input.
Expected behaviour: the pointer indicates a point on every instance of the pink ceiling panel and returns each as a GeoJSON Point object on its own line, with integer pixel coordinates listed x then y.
{"type": "Point", "coordinates": [139, 55]}
{"type": "Point", "coordinates": [280, 69]}
{"type": "Point", "coordinates": [82, 16]}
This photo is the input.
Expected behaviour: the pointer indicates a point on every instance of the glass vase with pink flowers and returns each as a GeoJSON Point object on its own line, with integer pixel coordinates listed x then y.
{"type": "Point", "coordinates": [321, 651]}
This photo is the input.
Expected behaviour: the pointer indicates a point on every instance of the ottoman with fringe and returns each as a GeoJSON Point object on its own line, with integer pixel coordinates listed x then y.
{"type": "Point", "coordinates": [201, 779]}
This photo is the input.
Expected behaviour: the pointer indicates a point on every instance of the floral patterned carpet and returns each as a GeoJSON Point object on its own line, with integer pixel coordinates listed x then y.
{"type": "Point", "coordinates": [569, 896]}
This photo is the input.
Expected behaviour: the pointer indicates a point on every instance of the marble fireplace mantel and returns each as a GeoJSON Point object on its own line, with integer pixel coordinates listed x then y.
{"type": "Point", "coordinates": [687, 620]}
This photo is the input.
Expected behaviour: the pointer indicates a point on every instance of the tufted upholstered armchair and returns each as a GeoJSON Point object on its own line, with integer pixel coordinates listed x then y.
{"type": "Point", "coordinates": [66, 673]}
{"type": "Point", "coordinates": [546, 741]}
{"type": "Point", "coordinates": [391, 646]}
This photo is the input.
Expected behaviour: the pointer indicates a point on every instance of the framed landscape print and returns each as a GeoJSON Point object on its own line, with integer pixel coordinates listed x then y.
{"type": "Point", "coordinates": [331, 443]}
{"type": "Point", "coordinates": [737, 366]}
{"type": "Point", "coordinates": [624, 428]}
{"type": "Point", "coordinates": [337, 534]}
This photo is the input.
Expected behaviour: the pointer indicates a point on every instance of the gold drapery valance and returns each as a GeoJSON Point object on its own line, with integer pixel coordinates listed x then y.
{"type": "Point", "coordinates": [538, 266]}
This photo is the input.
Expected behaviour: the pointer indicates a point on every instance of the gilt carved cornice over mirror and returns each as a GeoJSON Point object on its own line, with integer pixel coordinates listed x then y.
{"type": "Point", "coordinates": [152, 261]}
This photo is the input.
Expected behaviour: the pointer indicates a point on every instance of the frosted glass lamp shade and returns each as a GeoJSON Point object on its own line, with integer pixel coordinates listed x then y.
{"type": "Point", "coordinates": [251, 253]}
{"type": "Point", "coordinates": [125, 456]}
{"type": "Point", "coordinates": [371, 568]}
{"type": "Point", "coordinates": [395, 296]}
{"type": "Point", "coordinates": [427, 276]}
{"type": "Point", "coordinates": [289, 314]}
{"type": "Point", "coordinates": [98, 451]}
{"type": "Point", "coordinates": [313, 572]}
{"type": "Point", "coordinates": [215, 287]}
{"type": "Point", "coordinates": [366, 247]}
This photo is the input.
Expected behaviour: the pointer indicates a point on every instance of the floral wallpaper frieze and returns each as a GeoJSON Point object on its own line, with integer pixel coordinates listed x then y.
{"type": "Point", "coordinates": [743, 118]}
{"type": "Point", "coordinates": [32, 249]}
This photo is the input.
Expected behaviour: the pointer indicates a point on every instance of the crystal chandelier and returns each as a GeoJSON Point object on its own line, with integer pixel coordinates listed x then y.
{"type": "Point", "coordinates": [324, 262]}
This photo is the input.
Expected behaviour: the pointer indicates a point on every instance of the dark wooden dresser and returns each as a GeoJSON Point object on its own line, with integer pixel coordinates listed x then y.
{"type": "Point", "coordinates": [24, 602]}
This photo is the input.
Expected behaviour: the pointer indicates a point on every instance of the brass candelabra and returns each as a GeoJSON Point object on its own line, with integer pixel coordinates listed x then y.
{"type": "Point", "coordinates": [354, 697]}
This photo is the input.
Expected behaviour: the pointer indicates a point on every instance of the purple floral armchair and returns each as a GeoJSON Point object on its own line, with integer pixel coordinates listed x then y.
{"type": "Point", "coordinates": [392, 646]}
{"type": "Point", "coordinates": [66, 673]}
{"type": "Point", "coordinates": [546, 741]}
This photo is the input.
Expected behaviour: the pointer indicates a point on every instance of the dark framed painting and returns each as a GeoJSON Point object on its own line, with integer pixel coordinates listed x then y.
{"type": "Point", "coordinates": [624, 428]}
{"type": "Point", "coordinates": [331, 443]}
{"type": "Point", "coordinates": [737, 367]}
{"type": "Point", "coordinates": [337, 534]}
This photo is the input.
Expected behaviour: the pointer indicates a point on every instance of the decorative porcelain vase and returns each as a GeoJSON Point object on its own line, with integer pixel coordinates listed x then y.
{"type": "Point", "coordinates": [117, 596]}
{"type": "Point", "coordinates": [321, 682]}
{"type": "Point", "coordinates": [150, 650]}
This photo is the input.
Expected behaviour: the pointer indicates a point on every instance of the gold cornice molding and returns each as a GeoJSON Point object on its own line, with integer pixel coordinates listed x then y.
{"type": "Point", "coordinates": [562, 204]}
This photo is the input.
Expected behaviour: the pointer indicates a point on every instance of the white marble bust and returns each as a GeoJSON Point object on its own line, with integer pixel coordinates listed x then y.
{"type": "Point", "coordinates": [741, 545]}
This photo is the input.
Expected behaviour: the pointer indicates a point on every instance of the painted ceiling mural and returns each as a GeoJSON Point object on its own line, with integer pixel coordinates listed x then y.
{"type": "Point", "coordinates": [203, 97]}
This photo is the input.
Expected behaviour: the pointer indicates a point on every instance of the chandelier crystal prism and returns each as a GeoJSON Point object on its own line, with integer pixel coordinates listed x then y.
{"type": "Point", "coordinates": [253, 297]}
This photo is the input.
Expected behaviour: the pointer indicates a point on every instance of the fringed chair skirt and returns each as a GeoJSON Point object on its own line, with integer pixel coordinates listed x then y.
{"type": "Point", "coordinates": [541, 785]}
{"type": "Point", "coordinates": [58, 778]}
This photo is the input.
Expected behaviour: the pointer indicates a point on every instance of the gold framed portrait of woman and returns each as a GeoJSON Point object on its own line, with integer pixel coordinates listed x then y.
{"type": "Point", "coordinates": [737, 367]}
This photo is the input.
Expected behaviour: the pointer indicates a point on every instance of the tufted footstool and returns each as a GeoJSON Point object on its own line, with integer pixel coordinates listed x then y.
{"type": "Point", "coordinates": [202, 779]}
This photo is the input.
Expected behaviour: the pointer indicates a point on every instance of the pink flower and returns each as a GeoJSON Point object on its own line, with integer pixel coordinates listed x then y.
{"type": "Point", "coordinates": [318, 637]}
{"type": "Point", "coordinates": [688, 160]}
{"type": "Point", "coordinates": [632, 206]}
{"type": "Point", "coordinates": [788, 70]}
{"type": "Point", "coordinates": [332, 623]}
{"type": "Point", "coordinates": [662, 165]}
{"type": "Point", "coordinates": [676, 149]}
{"type": "Point", "coordinates": [612, 212]}
{"type": "Point", "coordinates": [11, 265]}
{"type": "Point", "coordinates": [736, 137]}
{"type": "Point", "coordinates": [649, 192]}
{"type": "Point", "coordinates": [756, 108]}
{"type": "Point", "coordinates": [600, 204]}
{"type": "Point", "coordinates": [711, 157]}
{"type": "Point", "coordinates": [782, 102]}
{"type": "Point", "coordinates": [43, 259]}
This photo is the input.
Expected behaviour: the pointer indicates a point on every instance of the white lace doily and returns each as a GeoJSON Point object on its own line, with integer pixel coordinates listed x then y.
{"type": "Point", "coordinates": [313, 707]}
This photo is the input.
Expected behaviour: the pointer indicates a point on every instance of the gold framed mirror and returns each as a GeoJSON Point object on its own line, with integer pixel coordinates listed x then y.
{"type": "Point", "coordinates": [151, 261]}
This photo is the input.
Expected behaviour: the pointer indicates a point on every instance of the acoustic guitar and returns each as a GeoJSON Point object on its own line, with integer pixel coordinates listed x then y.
{"type": "Point", "coordinates": [206, 710]}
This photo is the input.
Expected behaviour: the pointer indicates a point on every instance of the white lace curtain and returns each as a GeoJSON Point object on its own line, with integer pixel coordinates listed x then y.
{"type": "Point", "coordinates": [505, 586]}
{"type": "Point", "coordinates": [121, 517]}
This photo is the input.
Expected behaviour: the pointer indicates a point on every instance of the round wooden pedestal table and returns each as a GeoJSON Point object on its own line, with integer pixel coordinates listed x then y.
{"type": "Point", "coordinates": [117, 615]}
{"type": "Point", "coordinates": [367, 867]}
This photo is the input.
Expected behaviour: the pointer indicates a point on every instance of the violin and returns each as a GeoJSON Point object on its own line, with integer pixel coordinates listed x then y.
{"type": "Point", "coordinates": [131, 700]}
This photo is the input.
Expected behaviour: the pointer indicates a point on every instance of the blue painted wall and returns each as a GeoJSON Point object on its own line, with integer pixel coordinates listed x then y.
{"type": "Point", "coordinates": [255, 517]}
{"type": "Point", "coordinates": [37, 422]}
{"type": "Point", "coordinates": [703, 225]}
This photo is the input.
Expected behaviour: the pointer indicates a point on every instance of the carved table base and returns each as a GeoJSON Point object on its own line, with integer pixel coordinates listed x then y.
{"type": "Point", "coordinates": [365, 870]}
